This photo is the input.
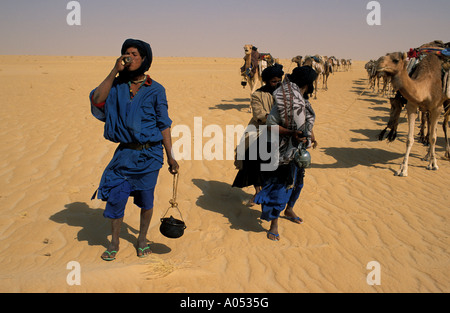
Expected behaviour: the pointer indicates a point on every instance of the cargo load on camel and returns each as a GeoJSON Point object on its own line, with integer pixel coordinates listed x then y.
{"type": "Point", "coordinates": [442, 50]}
{"type": "Point", "coordinates": [254, 64]}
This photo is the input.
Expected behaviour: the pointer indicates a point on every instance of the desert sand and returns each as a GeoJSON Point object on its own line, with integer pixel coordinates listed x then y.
{"type": "Point", "coordinates": [355, 210]}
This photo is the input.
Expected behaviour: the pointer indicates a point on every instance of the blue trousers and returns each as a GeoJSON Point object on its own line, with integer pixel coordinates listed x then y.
{"type": "Point", "coordinates": [118, 198]}
{"type": "Point", "coordinates": [279, 192]}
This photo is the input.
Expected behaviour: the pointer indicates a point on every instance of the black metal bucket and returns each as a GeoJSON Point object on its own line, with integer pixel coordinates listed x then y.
{"type": "Point", "coordinates": [171, 227]}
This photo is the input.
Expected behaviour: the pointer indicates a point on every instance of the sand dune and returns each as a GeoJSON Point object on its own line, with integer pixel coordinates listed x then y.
{"type": "Point", "coordinates": [355, 210]}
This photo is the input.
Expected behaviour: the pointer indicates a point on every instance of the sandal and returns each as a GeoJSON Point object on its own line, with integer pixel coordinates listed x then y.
{"type": "Point", "coordinates": [110, 258]}
{"type": "Point", "coordinates": [277, 236]}
{"type": "Point", "coordinates": [296, 220]}
{"type": "Point", "coordinates": [142, 250]}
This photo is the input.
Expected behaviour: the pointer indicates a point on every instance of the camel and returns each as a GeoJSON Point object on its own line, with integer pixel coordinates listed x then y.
{"type": "Point", "coordinates": [309, 61]}
{"type": "Point", "coordinates": [386, 83]}
{"type": "Point", "coordinates": [370, 67]}
{"type": "Point", "coordinates": [297, 59]}
{"type": "Point", "coordinates": [328, 69]}
{"type": "Point", "coordinates": [322, 69]}
{"type": "Point", "coordinates": [334, 63]}
{"type": "Point", "coordinates": [324, 66]}
{"type": "Point", "coordinates": [422, 91]}
{"type": "Point", "coordinates": [250, 70]}
{"type": "Point", "coordinates": [344, 65]}
{"type": "Point", "coordinates": [375, 77]}
{"type": "Point", "coordinates": [270, 61]}
{"type": "Point", "coordinates": [349, 64]}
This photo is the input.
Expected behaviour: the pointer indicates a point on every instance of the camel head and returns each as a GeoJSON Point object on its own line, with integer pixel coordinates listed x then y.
{"type": "Point", "coordinates": [297, 59]}
{"type": "Point", "coordinates": [308, 61]}
{"type": "Point", "coordinates": [248, 49]}
{"type": "Point", "coordinates": [392, 63]}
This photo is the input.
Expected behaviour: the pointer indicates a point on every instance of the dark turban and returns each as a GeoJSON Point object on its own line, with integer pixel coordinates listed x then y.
{"type": "Point", "coordinates": [146, 53]}
{"type": "Point", "coordinates": [303, 76]}
{"type": "Point", "coordinates": [271, 72]}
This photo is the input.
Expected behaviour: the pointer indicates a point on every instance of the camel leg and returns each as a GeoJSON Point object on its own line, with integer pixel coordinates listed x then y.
{"type": "Point", "coordinates": [447, 142]}
{"type": "Point", "coordinates": [412, 115]}
{"type": "Point", "coordinates": [251, 84]}
{"type": "Point", "coordinates": [434, 115]}
{"type": "Point", "coordinates": [385, 86]}
{"type": "Point", "coordinates": [371, 82]}
{"type": "Point", "coordinates": [427, 136]}
{"type": "Point", "coordinates": [396, 109]}
{"type": "Point", "coordinates": [255, 81]}
{"type": "Point", "coordinates": [445, 125]}
{"type": "Point", "coordinates": [423, 119]}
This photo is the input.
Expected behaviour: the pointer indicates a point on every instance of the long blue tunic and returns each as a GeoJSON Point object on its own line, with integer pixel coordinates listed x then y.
{"type": "Point", "coordinates": [281, 187]}
{"type": "Point", "coordinates": [133, 120]}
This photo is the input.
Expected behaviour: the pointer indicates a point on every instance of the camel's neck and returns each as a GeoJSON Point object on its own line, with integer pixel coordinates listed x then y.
{"type": "Point", "coordinates": [408, 87]}
{"type": "Point", "coordinates": [248, 61]}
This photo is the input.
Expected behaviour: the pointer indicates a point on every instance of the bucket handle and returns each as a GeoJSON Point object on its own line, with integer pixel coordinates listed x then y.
{"type": "Point", "coordinates": [173, 202]}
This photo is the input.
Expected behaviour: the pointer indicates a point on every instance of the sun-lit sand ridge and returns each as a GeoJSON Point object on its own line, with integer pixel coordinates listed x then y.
{"type": "Point", "coordinates": [355, 209]}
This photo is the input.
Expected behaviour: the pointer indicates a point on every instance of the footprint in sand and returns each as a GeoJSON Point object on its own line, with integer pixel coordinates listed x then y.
{"type": "Point", "coordinates": [158, 268]}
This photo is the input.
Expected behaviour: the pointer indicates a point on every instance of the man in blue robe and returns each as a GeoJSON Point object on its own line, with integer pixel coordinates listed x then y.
{"type": "Point", "coordinates": [294, 117]}
{"type": "Point", "coordinates": [135, 112]}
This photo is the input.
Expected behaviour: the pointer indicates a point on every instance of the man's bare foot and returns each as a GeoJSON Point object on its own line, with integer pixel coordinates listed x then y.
{"type": "Point", "coordinates": [290, 215]}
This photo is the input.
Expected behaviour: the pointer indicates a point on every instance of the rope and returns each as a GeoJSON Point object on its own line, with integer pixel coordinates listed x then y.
{"type": "Point", "coordinates": [350, 105]}
{"type": "Point", "coordinates": [173, 202]}
{"type": "Point", "coordinates": [446, 107]}
{"type": "Point", "coordinates": [357, 98]}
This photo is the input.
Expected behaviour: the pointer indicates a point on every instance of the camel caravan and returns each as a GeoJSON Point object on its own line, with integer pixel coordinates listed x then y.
{"type": "Point", "coordinates": [255, 62]}
{"type": "Point", "coordinates": [420, 80]}
{"type": "Point", "coordinates": [375, 77]}
{"type": "Point", "coordinates": [324, 67]}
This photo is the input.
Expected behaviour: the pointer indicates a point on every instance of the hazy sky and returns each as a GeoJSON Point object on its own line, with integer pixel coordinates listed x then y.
{"type": "Point", "coordinates": [213, 28]}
